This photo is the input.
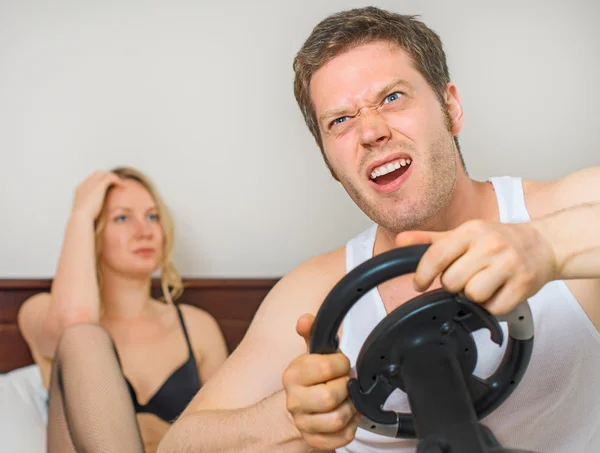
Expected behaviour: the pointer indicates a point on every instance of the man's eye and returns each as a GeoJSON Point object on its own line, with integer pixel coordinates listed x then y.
{"type": "Point", "coordinates": [392, 97]}
{"type": "Point", "coordinates": [339, 120]}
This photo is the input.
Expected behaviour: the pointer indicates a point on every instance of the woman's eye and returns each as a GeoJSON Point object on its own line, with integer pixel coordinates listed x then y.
{"type": "Point", "coordinates": [153, 217]}
{"type": "Point", "coordinates": [392, 97]}
{"type": "Point", "coordinates": [121, 218]}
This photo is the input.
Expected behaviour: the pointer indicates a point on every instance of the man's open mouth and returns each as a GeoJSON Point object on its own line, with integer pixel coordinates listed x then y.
{"type": "Point", "coordinates": [390, 171]}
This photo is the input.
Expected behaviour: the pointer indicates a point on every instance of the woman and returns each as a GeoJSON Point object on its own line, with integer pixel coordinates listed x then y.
{"type": "Point", "coordinates": [106, 349]}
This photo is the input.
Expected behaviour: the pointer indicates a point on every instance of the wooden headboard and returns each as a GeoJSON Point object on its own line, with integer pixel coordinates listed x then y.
{"type": "Point", "coordinates": [233, 303]}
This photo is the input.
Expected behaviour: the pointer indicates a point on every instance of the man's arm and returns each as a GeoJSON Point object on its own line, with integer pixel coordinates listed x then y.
{"type": "Point", "coordinates": [574, 234]}
{"type": "Point", "coordinates": [264, 426]}
{"type": "Point", "coordinates": [501, 265]}
{"type": "Point", "coordinates": [242, 407]}
{"type": "Point", "coordinates": [572, 223]}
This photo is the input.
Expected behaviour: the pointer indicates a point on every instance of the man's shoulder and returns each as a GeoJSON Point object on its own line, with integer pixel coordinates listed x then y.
{"type": "Point", "coordinates": [578, 187]}
{"type": "Point", "coordinates": [301, 291]}
{"type": "Point", "coordinates": [329, 266]}
{"type": "Point", "coordinates": [304, 288]}
{"type": "Point", "coordinates": [319, 271]}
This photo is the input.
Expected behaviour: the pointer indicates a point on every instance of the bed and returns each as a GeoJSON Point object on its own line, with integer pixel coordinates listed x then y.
{"type": "Point", "coordinates": [233, 302]}
{"type": "Point", "coordinates": [23, 398]}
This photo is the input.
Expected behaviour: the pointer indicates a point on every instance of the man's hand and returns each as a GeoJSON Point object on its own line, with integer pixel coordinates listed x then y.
{"type": "Point", "coordinates": [317, 395]}
{"type": "Point", "coordinates": [495, 264]}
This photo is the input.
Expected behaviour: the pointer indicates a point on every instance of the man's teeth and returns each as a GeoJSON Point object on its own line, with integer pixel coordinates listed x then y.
{"type": "Point", "coordinates": [387, 168]}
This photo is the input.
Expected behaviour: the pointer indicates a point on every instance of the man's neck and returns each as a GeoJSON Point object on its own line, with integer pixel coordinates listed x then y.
{"type": "Point", "coordinates": [470, 200]}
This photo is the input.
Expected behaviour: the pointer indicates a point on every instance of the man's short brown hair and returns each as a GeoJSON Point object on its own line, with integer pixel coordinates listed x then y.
{"type": "Point", "coordinates": [345, 30]}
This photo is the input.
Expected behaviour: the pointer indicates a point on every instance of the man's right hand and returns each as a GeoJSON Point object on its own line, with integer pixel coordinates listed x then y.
{"type": "Point", "coordinates": [317, 395]}
{"type": "Point", "coordinates": [90, 195]}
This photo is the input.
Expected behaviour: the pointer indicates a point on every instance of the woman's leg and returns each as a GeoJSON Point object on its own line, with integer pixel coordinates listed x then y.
{"type": "Point", "coordinates": [90, 408]}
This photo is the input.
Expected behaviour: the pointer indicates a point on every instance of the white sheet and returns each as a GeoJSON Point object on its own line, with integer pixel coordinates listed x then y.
{"type": "Point", "coordinates": [23, 411]}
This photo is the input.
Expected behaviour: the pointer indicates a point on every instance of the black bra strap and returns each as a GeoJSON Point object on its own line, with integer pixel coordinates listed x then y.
{"type": "Point", "coordinates": [187, 338]}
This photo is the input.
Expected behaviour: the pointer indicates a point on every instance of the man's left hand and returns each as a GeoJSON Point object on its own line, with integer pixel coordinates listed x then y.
{"type": "Point", "coordinates": [496, 264]}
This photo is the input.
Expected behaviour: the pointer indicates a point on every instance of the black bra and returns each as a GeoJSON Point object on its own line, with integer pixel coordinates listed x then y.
{"type": "Point", "coordinates": [177, 391]}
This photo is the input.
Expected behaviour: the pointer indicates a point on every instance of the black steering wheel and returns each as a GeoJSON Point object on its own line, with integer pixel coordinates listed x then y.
{"type": "Point", "coordinates": [425, 348]}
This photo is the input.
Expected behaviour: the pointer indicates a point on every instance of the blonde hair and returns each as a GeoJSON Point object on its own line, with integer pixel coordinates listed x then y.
{"type": "Point", "coordinates": [170, 279]}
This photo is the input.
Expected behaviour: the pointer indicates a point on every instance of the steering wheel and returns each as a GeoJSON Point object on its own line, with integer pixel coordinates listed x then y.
{"type": "Point", "coordinates": [425, 348]}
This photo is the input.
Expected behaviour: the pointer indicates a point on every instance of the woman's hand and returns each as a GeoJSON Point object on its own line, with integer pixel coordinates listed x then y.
{"type": "Point", "coordinates": [90, 194]}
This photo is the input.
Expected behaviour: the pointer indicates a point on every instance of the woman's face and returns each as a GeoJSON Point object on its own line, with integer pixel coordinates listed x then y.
{"type": "Point", "coordinates": [132, 240]}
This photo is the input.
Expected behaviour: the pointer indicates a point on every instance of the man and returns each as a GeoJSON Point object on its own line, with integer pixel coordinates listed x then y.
{"type": "Point", "coordinates": [375, 92]}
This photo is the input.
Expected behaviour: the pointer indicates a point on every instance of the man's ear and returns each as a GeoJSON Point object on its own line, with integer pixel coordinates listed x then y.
{"type": "Point", "coordinates": [455, 110]}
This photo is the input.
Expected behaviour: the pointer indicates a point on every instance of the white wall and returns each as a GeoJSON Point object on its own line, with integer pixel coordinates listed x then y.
{"type": "Point", "coordinates": [199, 96]}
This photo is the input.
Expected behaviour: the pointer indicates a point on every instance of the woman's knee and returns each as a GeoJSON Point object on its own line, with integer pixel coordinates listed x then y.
{"type": "Point", "coordinates": [83, 338]}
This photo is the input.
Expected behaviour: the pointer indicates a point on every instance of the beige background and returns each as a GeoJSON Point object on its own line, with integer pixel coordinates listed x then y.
{"type": "Point", "coordinates": [199, 96]}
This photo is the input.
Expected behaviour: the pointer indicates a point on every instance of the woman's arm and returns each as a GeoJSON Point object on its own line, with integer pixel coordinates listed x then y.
{"type": "Point", "coordinates": [75, 292]}
{"type": "Point", "coordinates": [74, 296]}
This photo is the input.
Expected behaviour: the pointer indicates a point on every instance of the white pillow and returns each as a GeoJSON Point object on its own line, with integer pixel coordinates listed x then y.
{"type": "Point", "coordinates": [23, 411]}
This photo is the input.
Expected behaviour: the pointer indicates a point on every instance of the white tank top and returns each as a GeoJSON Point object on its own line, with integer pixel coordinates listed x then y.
{"type": "Point", "coordinates": [555, 408]}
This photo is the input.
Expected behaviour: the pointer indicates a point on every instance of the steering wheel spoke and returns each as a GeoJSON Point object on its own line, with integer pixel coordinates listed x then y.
{"type": "Point", "coordinates": [474, 317]}
{"type": "Point", "coordinates": [477, 387]}
{"type": "Point", "coordinates": [371, 401]}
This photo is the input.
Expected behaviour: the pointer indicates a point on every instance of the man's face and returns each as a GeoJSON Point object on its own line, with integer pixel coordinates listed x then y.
{"type": "Point", "coordinates": [385, 134]}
